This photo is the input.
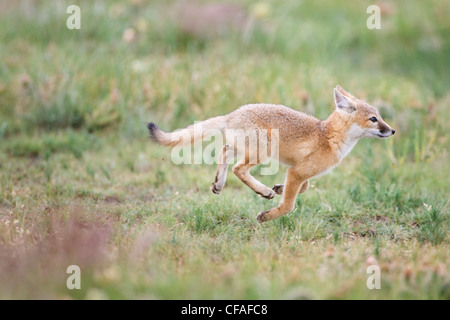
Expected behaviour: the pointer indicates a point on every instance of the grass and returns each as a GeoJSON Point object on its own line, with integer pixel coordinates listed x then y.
{"type": "Point", "coordinates": [80, 182]}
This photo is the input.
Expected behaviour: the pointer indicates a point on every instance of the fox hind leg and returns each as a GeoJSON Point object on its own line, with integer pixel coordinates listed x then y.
{"type": "Point", "coordinates": [226, 155]}
{"type": "Point", "coordinates": [278, 188]}
{"type": "Point", "coordinates": [242, 171]}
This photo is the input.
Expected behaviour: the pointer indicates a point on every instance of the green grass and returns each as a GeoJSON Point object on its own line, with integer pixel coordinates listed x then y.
{"type": "Point", "coordinates": [80, 182]}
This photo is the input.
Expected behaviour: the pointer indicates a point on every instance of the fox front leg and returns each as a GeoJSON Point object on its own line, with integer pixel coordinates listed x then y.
{"type": "Point", "coordinates": [293, 186]}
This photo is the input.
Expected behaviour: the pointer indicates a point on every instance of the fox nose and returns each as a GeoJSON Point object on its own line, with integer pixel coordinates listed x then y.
{"type": "Point", "coordinates": [393, 131]}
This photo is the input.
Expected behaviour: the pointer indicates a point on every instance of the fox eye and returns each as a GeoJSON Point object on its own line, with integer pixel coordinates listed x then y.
{"type": "Point", "coordinates": [373, 119]}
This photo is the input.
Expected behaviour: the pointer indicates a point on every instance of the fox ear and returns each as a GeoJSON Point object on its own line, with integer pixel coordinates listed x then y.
{"type": "Point", "coordinates": [345, 93]}
{"type": "Point", "coordinates": [343, 101]}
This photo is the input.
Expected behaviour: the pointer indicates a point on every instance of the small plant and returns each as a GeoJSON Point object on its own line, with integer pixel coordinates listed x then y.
{"type": "Point", "coordinates": [434, 225]}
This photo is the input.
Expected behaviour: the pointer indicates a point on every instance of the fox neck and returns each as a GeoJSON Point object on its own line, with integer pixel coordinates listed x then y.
{"type": "Point", "coordinates": [342, 133]}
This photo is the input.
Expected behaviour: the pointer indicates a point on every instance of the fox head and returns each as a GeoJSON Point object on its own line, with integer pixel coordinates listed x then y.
{"type": "Point", "coordinates": [365, 120]}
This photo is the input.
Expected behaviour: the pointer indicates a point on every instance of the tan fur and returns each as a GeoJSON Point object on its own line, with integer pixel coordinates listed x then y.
{"type": "Point", "coordinates": [310, 147]}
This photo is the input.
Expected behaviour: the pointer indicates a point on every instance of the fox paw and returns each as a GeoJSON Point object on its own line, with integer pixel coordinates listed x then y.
{"type": "Point", "coordinates": [269, 195]}
{"type": "Point", "coordinates": [215, 189]}
{"type": "Point", "coordinates": [261, 217]}
{"type": "Point", "coordinates": [278, 188]}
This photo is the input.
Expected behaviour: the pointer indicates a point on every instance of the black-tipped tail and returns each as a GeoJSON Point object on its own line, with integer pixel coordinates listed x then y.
{"type": "Point", "coordinates": [153, 129]}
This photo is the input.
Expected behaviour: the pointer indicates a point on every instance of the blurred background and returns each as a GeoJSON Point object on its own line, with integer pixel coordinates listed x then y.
{"type": "Point", "coordinates": [73, 140]}
{"type": "Point", "coordinates": [179, 61]}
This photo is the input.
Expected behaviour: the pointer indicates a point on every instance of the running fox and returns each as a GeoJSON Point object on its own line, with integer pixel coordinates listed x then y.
{"type": "Point", "coordinates": [309, 146]}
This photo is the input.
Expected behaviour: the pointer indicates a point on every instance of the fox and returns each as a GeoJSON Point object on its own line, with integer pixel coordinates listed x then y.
{"type": "Point", "coordinates": [308, 146]}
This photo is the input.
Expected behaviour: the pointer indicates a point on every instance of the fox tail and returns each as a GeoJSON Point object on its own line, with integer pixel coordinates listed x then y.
{"type": "Point", "coordinates": [188, 135]}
